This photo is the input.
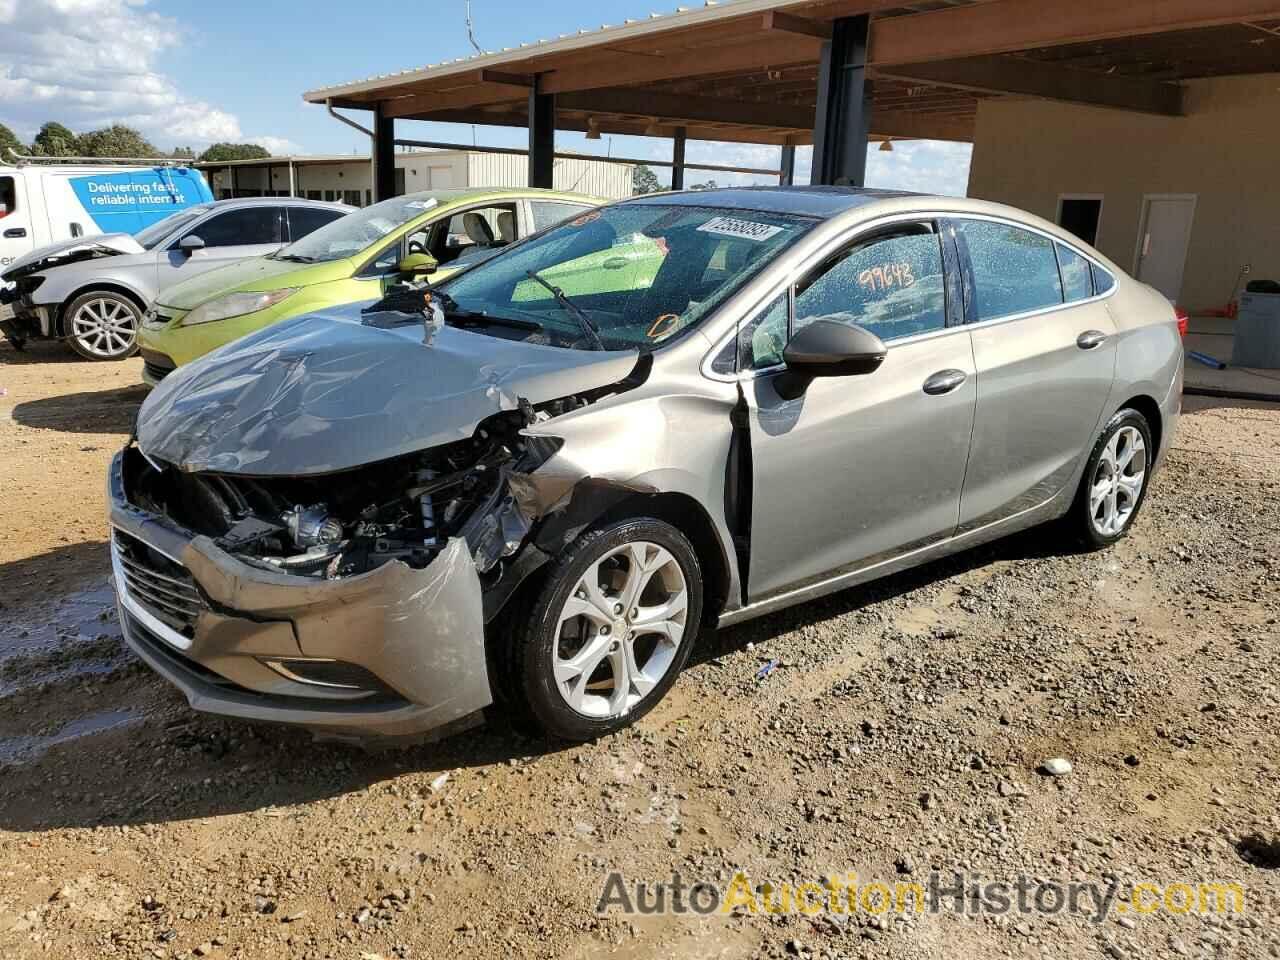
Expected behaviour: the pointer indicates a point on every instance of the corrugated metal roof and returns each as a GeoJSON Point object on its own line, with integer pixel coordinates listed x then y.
{"type": "Point", "coordinates": [710, 12]}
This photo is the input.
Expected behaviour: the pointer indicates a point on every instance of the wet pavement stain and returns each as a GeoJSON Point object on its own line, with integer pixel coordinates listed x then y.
{"type": "Point", "coordinates": [24, 749]}
{"type": "Point", "coordinates": [77, 634]}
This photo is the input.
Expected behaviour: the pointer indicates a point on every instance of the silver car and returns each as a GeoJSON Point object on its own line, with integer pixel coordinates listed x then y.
{"type": "Point", "coordinates": [93, 291]}
{"type": "Point", "coordinates": [534, 483]}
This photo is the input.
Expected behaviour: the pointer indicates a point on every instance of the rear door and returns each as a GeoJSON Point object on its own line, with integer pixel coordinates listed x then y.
{"type": "Point", "coordinates": [860, 469]}
{"type": "Point", "coordinates": [16, 230]}
{"type": "Point", "coordinates": [228, 235]}
{"type": "Point", "coordinates": [301, 221]}
{"type": "Point", "coordinates": [1045, 347]}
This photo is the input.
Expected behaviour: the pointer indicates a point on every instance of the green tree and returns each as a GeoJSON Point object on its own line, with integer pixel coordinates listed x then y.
{"type": "Point", "coordinates": [116, 140]}
{"type": "Point", "coordinates": [234, 151]}
{"type": "Point", "coordinates": [55, 140]}
{"type": "Point", "coordinates": [709, 185]}
{"type": "Point", "coordinates": [183, 153]}
{"type": "Point", "coordinates": [9, 141]}
{"type": "Point", "coordinates": [644, 180]}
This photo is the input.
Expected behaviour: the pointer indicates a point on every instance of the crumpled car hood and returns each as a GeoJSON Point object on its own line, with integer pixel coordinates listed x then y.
{"type": "Point", "coordinates": [325, 392]}
{"type": "Point", "coordinates": [68, 251]}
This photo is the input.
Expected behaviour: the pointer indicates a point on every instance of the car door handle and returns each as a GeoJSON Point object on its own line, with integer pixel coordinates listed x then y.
{"type": "Point", "coordinates": [944, 382]}
{"type": "Point", "coordinates": [615, 263]}
{"type": "Point", "coordinates": [13, 233]}
{"type": "Point", "coordinates": [1091, 339]}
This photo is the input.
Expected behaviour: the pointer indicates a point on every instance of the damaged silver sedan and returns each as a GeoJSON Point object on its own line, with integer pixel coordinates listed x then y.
{"type": "Point", "coordinates": [534, 482]}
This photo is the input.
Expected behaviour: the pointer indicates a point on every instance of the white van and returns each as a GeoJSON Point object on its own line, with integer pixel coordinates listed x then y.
{"type": "Point", "coordinates": [44, 203]}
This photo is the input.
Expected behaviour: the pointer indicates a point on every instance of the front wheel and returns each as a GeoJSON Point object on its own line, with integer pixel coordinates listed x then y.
{"type": "Point", "coordinates": [609, 631]}
{"type": "Point", "coordinates": [103, 325]}
{"type": "Point", "coordinates": [1114, 485]}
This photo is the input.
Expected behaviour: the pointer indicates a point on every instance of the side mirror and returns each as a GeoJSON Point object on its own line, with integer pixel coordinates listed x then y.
{"type": "Point", "coordinates": [418, 265]}
{"type": "Point", "coordinates": [190, 244]}
{"type": "Point", "coordinates": [827, 348]}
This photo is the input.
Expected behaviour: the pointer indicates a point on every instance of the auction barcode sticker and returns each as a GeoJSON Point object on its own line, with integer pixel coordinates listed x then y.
{"type": "Point", "coordinates": [743, 229]}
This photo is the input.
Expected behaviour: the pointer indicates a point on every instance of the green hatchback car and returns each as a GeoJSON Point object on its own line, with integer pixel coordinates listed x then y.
{"type": "Point", "coordinates": [352, 259]}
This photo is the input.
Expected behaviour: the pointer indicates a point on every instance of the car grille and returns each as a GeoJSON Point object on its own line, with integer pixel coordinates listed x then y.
{"type": "Point", "coordinates": [159, 585]}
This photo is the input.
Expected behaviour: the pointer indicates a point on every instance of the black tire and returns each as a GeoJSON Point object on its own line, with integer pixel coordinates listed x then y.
{"type": "Point", "coordinates": [532, 638]}
{"type": "Point", "coordinates": [106, 302]}
{"type": "Point", "coordinates": [1080, 523]}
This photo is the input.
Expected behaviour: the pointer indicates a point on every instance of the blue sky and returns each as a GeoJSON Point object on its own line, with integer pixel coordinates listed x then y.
{"type": "Point", "coordinates": [189, 73]}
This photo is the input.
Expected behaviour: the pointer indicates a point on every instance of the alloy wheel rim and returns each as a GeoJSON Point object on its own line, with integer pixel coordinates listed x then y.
{"type": "Point", "coordinates": [620, 629]}
{"type": "Point", "coordinates": [1118, 482]}
{"type": "Point", "coordinates": [105, 327]}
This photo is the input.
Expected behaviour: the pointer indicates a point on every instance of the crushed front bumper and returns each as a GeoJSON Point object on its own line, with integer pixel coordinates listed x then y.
{"type": "Point", "coordinates": [393, 653]}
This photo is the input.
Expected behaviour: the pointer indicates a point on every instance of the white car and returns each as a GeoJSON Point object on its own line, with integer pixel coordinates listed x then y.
{"type": "Point", "coordinates": [93, 291]}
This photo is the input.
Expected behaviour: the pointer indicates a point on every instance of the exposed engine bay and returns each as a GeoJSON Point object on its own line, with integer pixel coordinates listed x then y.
{"type": "Point", "coordinates": [350, 523]}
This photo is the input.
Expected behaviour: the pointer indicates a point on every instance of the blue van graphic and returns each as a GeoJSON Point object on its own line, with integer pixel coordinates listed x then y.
{"type": "Point", "coordinates": [130, 201]}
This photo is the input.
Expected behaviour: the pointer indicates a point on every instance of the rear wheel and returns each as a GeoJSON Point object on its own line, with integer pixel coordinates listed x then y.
{"type": "Point", "coordinates": [609, 630]}
{"type": "Point", "coordinates": [103, 325]}
{"type": "Point", "coordinates": [1114, 484]}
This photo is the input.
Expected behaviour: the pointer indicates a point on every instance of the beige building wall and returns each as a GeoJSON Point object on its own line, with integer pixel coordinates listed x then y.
{"type": "Point", "coordinates": [424, 170]}
{"type": "Point", "coordinates": [1226, 151]}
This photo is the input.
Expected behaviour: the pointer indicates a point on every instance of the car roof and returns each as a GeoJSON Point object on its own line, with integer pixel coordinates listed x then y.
{"type": "Point", "coordinates": [810, 201]}
{"type": "Point", "coordinates": [278, 201]}
{"type": "Point", "coordinates": [459, 195]}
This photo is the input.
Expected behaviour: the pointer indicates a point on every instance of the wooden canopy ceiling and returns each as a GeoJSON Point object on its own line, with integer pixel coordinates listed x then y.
{"type": "Point", "coordinates": [747, 71]}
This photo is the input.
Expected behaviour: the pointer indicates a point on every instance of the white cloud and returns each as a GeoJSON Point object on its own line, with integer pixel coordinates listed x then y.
{"type": "Point", "coordinates": [89, 63]}
{"type": "Point", "coordinates": [279, 146]}
{"type": "Point", "coordinates": [923, 166]}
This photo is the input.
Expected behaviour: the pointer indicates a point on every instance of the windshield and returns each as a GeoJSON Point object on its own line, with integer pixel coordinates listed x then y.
{"type": "Point", "coordinates": [152, 236]}
{"type": "Point", "coordinates": [348, 235]}
{"type": "Point", "coordinates": [632, 276]}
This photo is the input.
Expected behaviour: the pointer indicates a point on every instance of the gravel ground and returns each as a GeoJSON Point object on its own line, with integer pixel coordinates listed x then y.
{"type": "Point", "coordinates": [902, 731]}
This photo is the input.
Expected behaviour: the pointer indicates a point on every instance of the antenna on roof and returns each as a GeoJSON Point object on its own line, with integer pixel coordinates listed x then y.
{"type": "Point", "coordinates": [471, 33]}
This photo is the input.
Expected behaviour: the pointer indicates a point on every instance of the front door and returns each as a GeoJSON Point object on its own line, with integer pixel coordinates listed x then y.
{"type": "Point", "coordinates": [16, 229]}
{"type": "Point", "coordinates": [231, 235]}
{"type": "Point", "coordinates": [1045, 368]}
{"type": "Point", "coordinates": [1163, 242]}
{"type": "Point", "coordinates": [859, 469]}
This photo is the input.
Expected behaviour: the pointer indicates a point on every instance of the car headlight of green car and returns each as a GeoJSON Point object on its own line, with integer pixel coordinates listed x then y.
{"type": "Point", "coordinates": [236, 305]}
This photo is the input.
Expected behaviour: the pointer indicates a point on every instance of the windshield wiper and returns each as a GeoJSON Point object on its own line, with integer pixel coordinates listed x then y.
{"type": "Point", "coordinates": [458, 316]}
{"type": "Point", "coordinates": [570, 308]}
{"type": "Point", "coordinates": [293, 258]}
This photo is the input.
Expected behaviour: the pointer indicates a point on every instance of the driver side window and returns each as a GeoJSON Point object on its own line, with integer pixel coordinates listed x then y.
{"type": "Point", "coordinates": [891, 285]}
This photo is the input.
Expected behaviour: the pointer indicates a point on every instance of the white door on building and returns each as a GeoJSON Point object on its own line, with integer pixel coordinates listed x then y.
{"type": "Point", "coordinates": [1163, 239]}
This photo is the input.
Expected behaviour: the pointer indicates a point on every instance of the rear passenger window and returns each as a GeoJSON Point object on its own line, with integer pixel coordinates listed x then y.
{"type": "Point", "coordinates": [547, 214]}
{"type": "Point", "coordinates": [304, 220]}
{"type": "Point", "coordinates": [892, 286]}
{"type": "Point", "coordinates": [1076, 280]}
{"type": "Point", "coordinates": [1102, 280]}
{"type": "Point", "coordinates": [1014, 270]}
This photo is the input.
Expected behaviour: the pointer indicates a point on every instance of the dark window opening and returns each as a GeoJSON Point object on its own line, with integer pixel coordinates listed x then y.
{"type": "Point", "coordinates": [1081, 218]}
{"type": "Point", "coordinates": [8, 196]}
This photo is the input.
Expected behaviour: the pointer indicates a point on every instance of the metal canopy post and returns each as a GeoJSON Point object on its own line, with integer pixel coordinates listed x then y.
{"type": "Point", "coordinates": [384, 155]}
{"type": "Point", "coordinates": [542, 137]}
{"type": "Point", "coordinates": [787, 178]}
{"type": "Point", "coordinates": [843, 117]}
{"type": "Point", "coordinates": [677, 158]}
